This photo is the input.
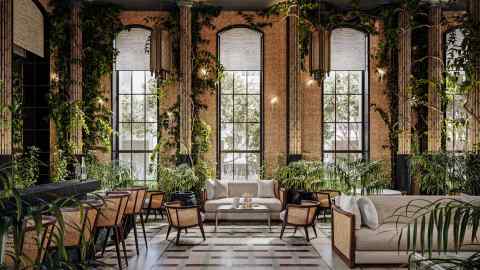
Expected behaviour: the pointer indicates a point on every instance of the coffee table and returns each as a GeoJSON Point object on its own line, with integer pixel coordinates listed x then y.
{"type": "Point", "coordinates": [255, 209]}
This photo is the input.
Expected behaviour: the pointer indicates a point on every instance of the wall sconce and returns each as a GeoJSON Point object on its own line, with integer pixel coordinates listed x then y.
{"type": "Point", "coordinates": [203, 72]}
{"type": "Point", "coordinates": [310, 82]}
{"type": "Point", "coordinates": [381, 73]}
{"type": "Point", "coordinates": [274, 100]}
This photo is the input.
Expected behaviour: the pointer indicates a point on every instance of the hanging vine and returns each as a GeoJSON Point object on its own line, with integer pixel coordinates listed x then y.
{"type": "Point", "coordinates": [100, 25]}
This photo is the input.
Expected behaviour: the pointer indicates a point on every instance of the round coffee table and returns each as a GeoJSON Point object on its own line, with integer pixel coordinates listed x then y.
{"type": "Point", "coordinates": [255, 209]}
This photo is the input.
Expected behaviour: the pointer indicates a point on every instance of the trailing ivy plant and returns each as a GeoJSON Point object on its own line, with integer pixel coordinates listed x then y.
{"type": "Point", "coordinates": [100, 25]}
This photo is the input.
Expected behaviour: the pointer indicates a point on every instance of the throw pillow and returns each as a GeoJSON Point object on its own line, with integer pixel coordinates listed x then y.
{"type": "Point", "coordinates": [349, 204]}
{"type": "Point", "coordinates": [368, 211]}
{"type": "Point", "coordinates": [265, 189]}
{"type": "Point", "coordinates": [211, 189]}
{"type": "Point", "coordinates": [221, 189]}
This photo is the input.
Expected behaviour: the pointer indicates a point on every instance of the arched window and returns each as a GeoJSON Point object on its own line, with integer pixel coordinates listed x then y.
{"type": "Point", "coordinates": [345, 98]}
{"type": "Point", "coordinates": [136, 105]}
{"type": "Point", "coordinates": [240, 104]}
{"type": "Point", "coordinates": [455, 114]}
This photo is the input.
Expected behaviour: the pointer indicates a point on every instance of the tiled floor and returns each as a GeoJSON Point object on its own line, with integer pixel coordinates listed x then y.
{"type": "Point", "coordinates": [237, 245]}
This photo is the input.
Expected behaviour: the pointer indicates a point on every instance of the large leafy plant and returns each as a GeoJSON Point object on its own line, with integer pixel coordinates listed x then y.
{"type": "Point", "coordinates": [111, 175]}
{"type": "Point", "coordinates": [302, 175]}
{"type": "Point", "coordinates": [182, 178]}
{"type": "Point", "coordinates": [360, 176]}
{"type": "Point", "coordinates": [26, 168]}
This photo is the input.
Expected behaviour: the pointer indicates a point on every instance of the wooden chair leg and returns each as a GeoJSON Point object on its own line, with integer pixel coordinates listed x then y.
{"type": "Point", "coordinates": [146, 217]}
{"type": "Point", "coordinates": [161, 213]}
{"type": "Point", "coordinates": [295, 230]}
{"type": "Point", "coordinates": [314, 230]}
{"type": "Point", "coordinates": [202, 231]}
{"type": "Point", "coordinates": [186, 231]}
{"type": "Point", "coordinates": [105, 241]}
{"type": "Point", "coordinates": [123, 244]}
{"type": "Point", "coordinates": [178, 236]}
{"type": "Point", "coordinates": [143, 228]}
{"type": "Point", "coordinates": [168, 231]}
{"type": "Point", "coordinates": [134, 219]}
{"type": "Point", "coordinates": [117, 247]}
{"type": "Point", "coordinates": [283, 230]}
{"type": "Point", "coordinates": [306, 233]}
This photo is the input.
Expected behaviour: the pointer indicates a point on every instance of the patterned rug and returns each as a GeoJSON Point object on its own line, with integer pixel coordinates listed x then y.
{"type": "Point", "coordinates": [232, 246]}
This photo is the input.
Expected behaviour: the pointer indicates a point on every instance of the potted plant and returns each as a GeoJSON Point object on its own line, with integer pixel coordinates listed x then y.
{"type": "Point", "coordinates": [111, 175]}
{"type": "Point", "coordinates": [181, 183]}
{"type": "Point", "coordinates": [300, 178]}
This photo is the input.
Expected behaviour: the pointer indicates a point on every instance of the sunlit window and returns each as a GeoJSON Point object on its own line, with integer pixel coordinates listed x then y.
{"type": "Point", "coordinates": [240, 98]}
{"type": "Point", "coordinates": [345, 98]}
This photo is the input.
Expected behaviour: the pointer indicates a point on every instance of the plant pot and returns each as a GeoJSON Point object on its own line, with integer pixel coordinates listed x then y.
{"type": "Point", "coordinates": [186, 198]}
{"type": "Point", "coordinates": [296, 196]}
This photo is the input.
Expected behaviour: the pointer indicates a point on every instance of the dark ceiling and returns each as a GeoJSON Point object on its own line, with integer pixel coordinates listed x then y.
{"type": "Point", "coordinates": [233, 4]}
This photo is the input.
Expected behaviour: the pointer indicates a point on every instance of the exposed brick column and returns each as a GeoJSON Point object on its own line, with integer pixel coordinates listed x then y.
{"type": "Point", "coordinates": [6, 54]}
{"type": "Point", "coordinates": [404, 73]}
{"type": "Point", "coordinates": [473, 98]}
{"type": "Point", "coordinates": [185, 84]}
{"type": "Point", "coordinates": [435, 67]}
{"type": "Point", "coordinates": [295, 88]}
{"type": "Point", "coordinates": [75, 88]}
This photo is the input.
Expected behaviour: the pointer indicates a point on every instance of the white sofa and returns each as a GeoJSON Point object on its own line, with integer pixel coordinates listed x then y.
{"type": "Point", "coordinates": [221, 192]}
{"type": "Point", "coordinates": [360, 245]}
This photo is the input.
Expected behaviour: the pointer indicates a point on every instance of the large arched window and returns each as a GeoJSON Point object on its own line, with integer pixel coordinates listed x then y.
{"type": "Point", "coordinates": [136, 103]}
{"type": "Point", "coordinates": [240, 104]}
{"type": "Point", "coordinates": [345, 98]}
{"type": "Point", "coordinates": [455, 114]}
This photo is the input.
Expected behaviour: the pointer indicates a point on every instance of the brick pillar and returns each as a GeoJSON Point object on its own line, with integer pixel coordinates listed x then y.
{"type": "Point", "coordinates": [294, 89]}
{"type": "Point", "coordinates": [404, 73]}
{"type": "Point", "coordinates": [185, 81]}
{"type": "Point", "coordinates": [473, 98]}
{"type": "Point", "coordinates": [435, 68]}
{"type": "Point", "coordinates": [6, 63]}
{"type": "Point", "coordinates": [75, 88]}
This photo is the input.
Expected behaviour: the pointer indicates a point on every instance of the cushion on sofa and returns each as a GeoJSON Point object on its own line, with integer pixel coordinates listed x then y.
{"type": "Point", "coordinates": [211, 189]}
{"type": "Point", "coordinates": [266, 189]}
{"type": "Point", "coordinates": [237, 189]}
{"type": "Point", "coordinates": [349, 204]}
{"type": "Point", "coordinates": [368, 212]}
{"type": "Point", "coordinates": [221, 189]}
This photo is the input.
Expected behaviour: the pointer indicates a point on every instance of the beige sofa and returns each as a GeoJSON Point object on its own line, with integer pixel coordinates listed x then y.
{"type": "Point", "coordinates": [223, 193]}
{"type": "Point", "coordinates": [366, 246]}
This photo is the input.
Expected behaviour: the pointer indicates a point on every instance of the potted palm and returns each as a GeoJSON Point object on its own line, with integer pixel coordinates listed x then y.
{"type": "Point", "coordinates": [181, 183]}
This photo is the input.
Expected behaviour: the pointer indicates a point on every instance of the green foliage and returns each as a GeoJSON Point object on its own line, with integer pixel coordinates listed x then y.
{"type": "Point", "coordinates": [181, 179]}
{"type": "Point", "coordinates": [302, 175]}
{"type": "Point", "coordinates": [60, 167]}
{"type": "Point", "coordinates": [100, 25]}
{"type": "Point", "coordinates": [368, 177]}
{"type": "Point", "coordinates": [26, 168]}
{"type": "Point", "coordinates": [447, 220]}
{"type": "Point", "coordinates": [111, 175]}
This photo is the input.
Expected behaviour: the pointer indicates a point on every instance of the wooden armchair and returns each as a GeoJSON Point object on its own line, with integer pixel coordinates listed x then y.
{"type": "Point", "coordinates": [300, 215]}
{"type": "Point", "coordinates": [326, 199]}
{"type": "Point", "coordinates": [183, 217]}
{"type": "Point", "coordinates": [154, 202]}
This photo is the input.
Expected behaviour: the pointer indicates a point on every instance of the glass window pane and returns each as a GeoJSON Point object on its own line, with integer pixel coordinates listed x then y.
{"type": "Point", "coordinates": [240, 108]}
{"type": "Point", "coordinates": [341, 85]}
{"type": "Point", "coordinates": [329, 158]}
{"type": "Point", "coordinates": [460, 138]}
{"type": "Point", "coordinates": [240, 82]}
{"type": "Point", "coordinates": [329, 108]}
{"type": "Point", "coordinates": [355, 107]}
{"type": "Point", "coordinates": [151, 83]}
{"type": "Point", "coordinates": [151, 135]}
{"type": "Point", "coordinates": [341, 137]}
{"type": "Point", "coordinates": [226, 107]}
{"type": "Point", "coordinates": [253, 78]}
{"type": "Point", "coordinates": [138, 108]}
{"type": "Point", "coordinates": [124, 136]}
{"type": "Point", "coordinates": [240, 168]}
{"type": "Point", "coordinates": [125, 159]}
{"type": "Point", "coordinates": [124, 108]}
{"type": "Point", "coordinates": [355, 85]}
{"type": "Point", "coordinates": [449, 136]}
{"type": "Point", "coordinates": [138, 82]}
{"type": "Point", "coordinates": [138, 136]}
{"type": "Point", "coordinates": [253, 111]}
{"type": "Point", "coordinates": [253, 166]}
{"type": "Point", "coordinates": [240, 133]}
{"type": "Point", "coordinates": [342, 108]}
{"type": "Point", "coordinates": [226, 166]}
{"type": "Point", "coordinates": [253, 136]}
{"type": "Point", "coordinates": [227, 82]}
{"type": "Point", "coordinates": [124, 82]}
{"type": "Point", "coordinates": [151, 175]}
{"type": "Point", "coordinates": [355, 137]}
{"type": "Point", "coordinates": [226, 140]}
{"type": "Point", "coordinates": [151, 108]}
{"type": "Point", "coordinates": [139, 165]}
{"type": "Point", "coordinates": [329, 136]}
{"type": "Point", "coordinates": [329, 83]}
